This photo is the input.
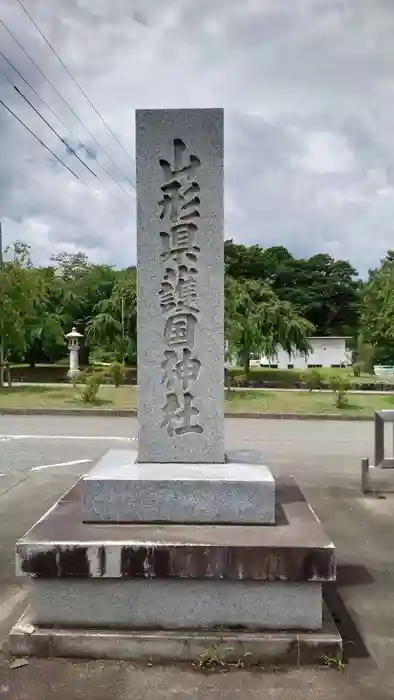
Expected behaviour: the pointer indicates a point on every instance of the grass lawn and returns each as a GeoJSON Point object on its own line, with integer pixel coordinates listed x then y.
{"type": "Point", "coordinates": [41, 396]}
{"type": "Point", "coordinates": [236, 401]}
{"type": "Point", "coordinates": [304, 402]}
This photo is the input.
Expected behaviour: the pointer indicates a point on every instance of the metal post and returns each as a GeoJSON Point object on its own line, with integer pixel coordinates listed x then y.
{"type": "Point", "coordinates": [365, 487]}
{"type": "Point", "coordinates": [1, 318]}
{"type": "Point", "coordinates": [123, 328]}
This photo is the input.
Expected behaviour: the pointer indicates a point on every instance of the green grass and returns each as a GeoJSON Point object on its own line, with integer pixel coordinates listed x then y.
{"type": "Point", "coordinates": [236, 401]}
{"type": "Point", "coordinates": [65, 397]}
{"type": "Point", "coordinates": [304, 402]}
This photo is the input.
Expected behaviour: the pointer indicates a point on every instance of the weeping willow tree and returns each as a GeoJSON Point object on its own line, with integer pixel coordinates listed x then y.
{"type": "Point", "coordinates": [21, 296]}
{"type": "Point", "coordinates": [257, 321]}
{"type": "Point", "coordinates": [113, 326]}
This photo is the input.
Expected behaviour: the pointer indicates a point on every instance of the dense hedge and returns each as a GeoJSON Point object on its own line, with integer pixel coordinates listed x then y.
{"type": "Point", "coordinates": [294, 379]}
{"type": "Point", "coordinates": [258, 377]}
{"type": "Point", "coordinates": [52, 374]}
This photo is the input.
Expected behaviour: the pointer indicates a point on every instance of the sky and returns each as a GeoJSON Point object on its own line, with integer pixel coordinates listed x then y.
{"type": "Point", "coordinates": [308, 92]}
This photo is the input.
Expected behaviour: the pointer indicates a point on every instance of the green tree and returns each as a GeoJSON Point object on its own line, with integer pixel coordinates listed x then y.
{"type": "Point", "coordinates": [377, 314]}
{"type": "Point", "coordinates": [44, 328]}
{"type": "Point", "coordinates": [19, 299]}
{"type": "Point", "coordinates": [323, 290]}
{"type": "Point", "coordinates": [83, 286]}
{"type": "Point", "coordinates": [112, 329]}
{"type": "Point", "coordinates": [257, 321]}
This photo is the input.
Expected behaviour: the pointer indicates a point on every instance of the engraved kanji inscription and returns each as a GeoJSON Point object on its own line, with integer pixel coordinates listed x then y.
{"type": "Point", "coordinates": [177, 205]}
{"type": "Point", "coordinates": [170, 410]}
{"type": "Point", "coordinates": [178, 419]}
{"type": "Point", "coordinates": [179, 330]}
{"type": "Point", "coordinates": [179, 213]}
{"type": "Point", "coordinates": [180, 241]}
{"type": "Point", "coordinates": [184, 370]}
{"type": "Point", "coordinates": [179, 290]}
{"type": "Point", "coordinates": [179, 171]}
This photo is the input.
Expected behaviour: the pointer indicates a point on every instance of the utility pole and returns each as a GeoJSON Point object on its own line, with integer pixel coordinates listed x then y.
{"type": "Point", "coordinates": [123, 329]}
{"type": "Point", "coordinates": [1, 316]}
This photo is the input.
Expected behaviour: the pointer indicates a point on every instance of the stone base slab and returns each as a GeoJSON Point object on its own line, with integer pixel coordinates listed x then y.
{"type": "Point", "coordinates": [162, 646]}
{"type": "Point", "coordinates": [176, 604]}
{"type": "Point", "coordinates": [295, 549]}
{"type": "Point", "coordinates": [120, 490]}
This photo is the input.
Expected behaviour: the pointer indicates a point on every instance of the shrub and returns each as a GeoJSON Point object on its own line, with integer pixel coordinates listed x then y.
{"type": "Point", "coordinates": [91, 382]}
{"type": "Point", "coordinates": [339, 386]}
{"type": "Point", "coordinates": [284, 378]}
{"type": "Point", "coordinates": [312, 379]}
{"type": "Point", "coordinates": [116, 371]}
{"type": "Point", "coordinates": [356, 367]}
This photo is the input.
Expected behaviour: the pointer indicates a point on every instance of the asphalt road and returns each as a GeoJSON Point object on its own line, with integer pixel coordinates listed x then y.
{"type": "Point", "coordinates": [32, 442]}
{"type": "Point", "coordinates": [40, 457]}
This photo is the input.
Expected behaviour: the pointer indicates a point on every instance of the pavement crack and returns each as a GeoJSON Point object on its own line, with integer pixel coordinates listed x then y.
{"type": "Point", "coordinates": [14, 486]}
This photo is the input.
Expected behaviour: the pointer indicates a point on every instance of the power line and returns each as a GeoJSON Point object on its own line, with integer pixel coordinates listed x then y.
{"type": "Point", "coordinates": [38, 95]}
{"type": "Point", "coordinates": [63, 100]}
{"type": "Point", "coordinates": [66, 68]}
{"type": "Point", "coordinates": [39, 140]}
{"type": "Point", "coordinates": [52, 129]}
{"type": "Point", "coordinates": [59, 119]}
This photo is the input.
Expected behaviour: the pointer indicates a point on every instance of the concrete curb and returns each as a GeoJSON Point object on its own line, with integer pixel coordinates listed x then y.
{"type": "Point", "coordinates": [132, 412]}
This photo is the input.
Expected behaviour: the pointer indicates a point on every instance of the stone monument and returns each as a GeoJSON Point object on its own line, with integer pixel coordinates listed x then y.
{"type": "Point", "coordinates": [180, 285]}
{"type": "Point", "coordinates": [161, 552]}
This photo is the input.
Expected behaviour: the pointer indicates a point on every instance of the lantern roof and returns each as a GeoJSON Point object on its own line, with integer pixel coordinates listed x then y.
{"type": "Point", "coordinates": [74, 333]}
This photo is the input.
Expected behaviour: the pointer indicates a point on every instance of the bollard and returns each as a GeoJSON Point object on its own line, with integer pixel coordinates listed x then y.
{"type": "Point", "coordinates": [365, 475]}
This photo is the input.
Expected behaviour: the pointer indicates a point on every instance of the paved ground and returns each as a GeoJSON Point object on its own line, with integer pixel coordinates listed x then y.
{"type": "Point", "coordinates": [324, 457]}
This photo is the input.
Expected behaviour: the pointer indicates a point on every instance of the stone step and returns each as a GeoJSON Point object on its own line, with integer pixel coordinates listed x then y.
{"type": "Point", "coordinates": [201, 648]}
{"type": "Point", "coordinates": [294, 549]}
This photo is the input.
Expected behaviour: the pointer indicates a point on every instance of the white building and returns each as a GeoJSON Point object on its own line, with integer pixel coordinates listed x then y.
{"type": "Point", "coordinates": [329, 351]}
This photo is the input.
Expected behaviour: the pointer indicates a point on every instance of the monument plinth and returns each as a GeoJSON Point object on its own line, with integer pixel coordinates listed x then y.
{"type": "Point", "coordinates": [154, 550]}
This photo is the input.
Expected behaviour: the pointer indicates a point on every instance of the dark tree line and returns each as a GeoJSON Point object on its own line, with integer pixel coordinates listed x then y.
{"type": "Point", "coordinates": [271, 297]}
{"type": "Point", "coordinates": [325, 291]}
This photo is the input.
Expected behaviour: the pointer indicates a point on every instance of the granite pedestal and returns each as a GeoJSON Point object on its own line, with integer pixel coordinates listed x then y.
{"type": "Point", "coordinates": [89, 579]}
{"type": "Point", "coordinates": [119, 489]}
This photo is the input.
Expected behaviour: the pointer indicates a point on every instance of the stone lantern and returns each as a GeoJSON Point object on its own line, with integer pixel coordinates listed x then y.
{"type": "Point", "coordinates": [73, 345]}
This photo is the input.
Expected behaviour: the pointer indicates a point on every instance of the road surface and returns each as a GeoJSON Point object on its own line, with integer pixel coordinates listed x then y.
{"type": "Point", "coordinates": [28, 442]}
{"type": "Point", "coordinates": [40, 457]}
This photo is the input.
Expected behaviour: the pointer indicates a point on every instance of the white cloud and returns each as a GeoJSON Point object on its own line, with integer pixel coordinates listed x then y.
{"type": "Point", "coordinates": [326, 152]}
{"type": "Point", "coordinates": [307, 88]}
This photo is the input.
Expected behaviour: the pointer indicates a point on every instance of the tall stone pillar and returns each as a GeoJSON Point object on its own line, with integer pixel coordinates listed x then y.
{"type": "Point", "coordinates": [179, 155]}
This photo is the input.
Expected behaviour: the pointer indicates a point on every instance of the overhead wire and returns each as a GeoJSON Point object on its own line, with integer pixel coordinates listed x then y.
{"type": "Point", "coordinates": [8, 30]}
{"type": "Point", "coordinates": [66, 68]}
{"type": "Point", "coordinates": [104, 169]}
{"type": "Point", "coordinates": [14, 68]}
{"type": "Point", "coordinates": [38, 139]}
{"type": "Point", "coordinates": [64, 142]}
{"type": "Point", "coordinates": [47, 147]}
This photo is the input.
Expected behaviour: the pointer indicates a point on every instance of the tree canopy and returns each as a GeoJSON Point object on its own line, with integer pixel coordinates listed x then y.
{"type": "Point", "coordinates": [325, 291]}
{"type": "Point", "coordinates": [377, 310]}
{"type": "Point", "coordinates": [272, 298]}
